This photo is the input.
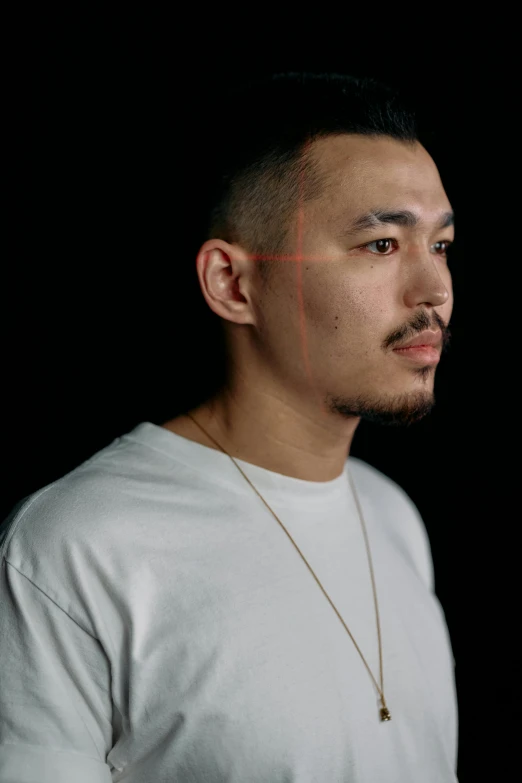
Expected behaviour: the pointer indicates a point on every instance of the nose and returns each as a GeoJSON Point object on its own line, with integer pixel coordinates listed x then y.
{"type": "Point", "coordinates": [428, 279]}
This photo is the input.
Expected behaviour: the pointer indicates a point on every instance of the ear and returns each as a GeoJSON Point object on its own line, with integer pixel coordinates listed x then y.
{"type": "Point", "coordinates": [225, 276]}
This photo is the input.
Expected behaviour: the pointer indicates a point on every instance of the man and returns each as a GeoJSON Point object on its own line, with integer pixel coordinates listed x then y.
{"type": "Point", "coordinates": [230, 596]}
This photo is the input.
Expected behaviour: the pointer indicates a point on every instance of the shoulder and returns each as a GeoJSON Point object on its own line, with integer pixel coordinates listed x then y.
{"type": "Point", "coordinates": [396, 514]}
{"type": "Point", "coordinates": [82, 519]}
{"type": "Point", "coordinates": [113, 481]}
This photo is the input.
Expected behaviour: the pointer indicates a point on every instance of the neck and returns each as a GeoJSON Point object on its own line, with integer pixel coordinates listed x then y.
{"type": "Point", "coordinates": [274, 434]}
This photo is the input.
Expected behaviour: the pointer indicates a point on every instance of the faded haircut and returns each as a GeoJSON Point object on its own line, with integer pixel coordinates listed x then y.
{"type": "Point", "coordinates": [260, 167]}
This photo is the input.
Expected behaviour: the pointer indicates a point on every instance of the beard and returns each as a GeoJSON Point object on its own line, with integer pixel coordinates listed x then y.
{"type": "Point", "coordinates": [399, 410]}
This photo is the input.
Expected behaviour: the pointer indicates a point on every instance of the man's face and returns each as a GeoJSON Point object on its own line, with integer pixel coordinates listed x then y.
{"type": "Point", "coordinates": [331, 322]}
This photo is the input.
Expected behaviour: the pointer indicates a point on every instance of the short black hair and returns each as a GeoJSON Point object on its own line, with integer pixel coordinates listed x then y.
{"type": "Point", "coordinates": [258, 154]}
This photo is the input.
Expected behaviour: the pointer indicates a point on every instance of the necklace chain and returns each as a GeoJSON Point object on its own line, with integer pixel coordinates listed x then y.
{"type": "Point", "coordinates": [385, 713]}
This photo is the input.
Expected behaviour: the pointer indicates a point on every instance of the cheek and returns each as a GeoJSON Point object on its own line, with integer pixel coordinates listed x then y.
{"type": "Point", "coordinates": [347, 312]}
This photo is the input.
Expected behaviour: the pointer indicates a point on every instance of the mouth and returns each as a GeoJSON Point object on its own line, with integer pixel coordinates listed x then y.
{"type": "Point", "coordinates": [421, 354]}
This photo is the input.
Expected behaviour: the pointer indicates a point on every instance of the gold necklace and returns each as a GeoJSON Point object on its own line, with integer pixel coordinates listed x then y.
{"type": "Point", "coordinates": [384, 711]}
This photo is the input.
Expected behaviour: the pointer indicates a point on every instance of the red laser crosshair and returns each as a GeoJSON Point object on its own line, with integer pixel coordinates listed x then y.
{"type": "Point", "coordinates": [298, 258]}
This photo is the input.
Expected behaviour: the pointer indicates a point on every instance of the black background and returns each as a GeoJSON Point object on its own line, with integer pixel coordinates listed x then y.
{"type": "Point", "coordinates": [104, 325]}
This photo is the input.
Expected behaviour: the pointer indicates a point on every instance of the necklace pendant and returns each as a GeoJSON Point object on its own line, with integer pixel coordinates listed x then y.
{"type": "Point", "coordinates": [385, 713]}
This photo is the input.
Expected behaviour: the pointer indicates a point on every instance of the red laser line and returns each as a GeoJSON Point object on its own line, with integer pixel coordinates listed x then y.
{"type": "Point", "coordinates": [299, 271]}
{"type": "Point", "coordinates": [286, 257]}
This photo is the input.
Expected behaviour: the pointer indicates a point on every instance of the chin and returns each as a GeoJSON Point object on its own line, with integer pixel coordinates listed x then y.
{"type": "Point", "coordinates": [393, 410]}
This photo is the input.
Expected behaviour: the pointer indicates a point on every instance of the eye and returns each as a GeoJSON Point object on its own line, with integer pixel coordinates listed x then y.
{"type": "Point", "coordinates": [382, 246]}
{"type": "Point", "coordinates": [441, 248]}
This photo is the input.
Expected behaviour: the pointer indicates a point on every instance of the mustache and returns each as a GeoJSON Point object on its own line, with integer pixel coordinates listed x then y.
{"type": "Point", "coordinates": [422, 322]}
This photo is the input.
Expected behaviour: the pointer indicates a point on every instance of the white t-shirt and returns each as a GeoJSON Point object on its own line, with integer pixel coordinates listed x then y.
{"type": "Point", "coordinates": [157, 625]}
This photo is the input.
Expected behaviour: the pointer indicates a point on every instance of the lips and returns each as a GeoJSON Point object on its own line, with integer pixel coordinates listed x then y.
{"type": "Point", "coordinates": [426, 338]}
{"type": "Point", "coordinates": [422, 354]}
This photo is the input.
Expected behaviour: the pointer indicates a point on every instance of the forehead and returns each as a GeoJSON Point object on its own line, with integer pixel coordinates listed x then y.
{"type": "Point", "coordinates": [363, 173]}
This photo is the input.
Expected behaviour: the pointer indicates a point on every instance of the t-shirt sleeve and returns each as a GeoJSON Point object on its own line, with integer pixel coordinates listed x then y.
{"type": "Point", "coordinates": [403, 519]}
{"type": "Point", "coordinates": [419, 543]}
{"type": "Point", "coordinates": [55, 705]}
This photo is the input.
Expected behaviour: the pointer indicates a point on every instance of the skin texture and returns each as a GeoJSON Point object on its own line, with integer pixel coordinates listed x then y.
{"type": "Point", "coordinates": [311, 352]}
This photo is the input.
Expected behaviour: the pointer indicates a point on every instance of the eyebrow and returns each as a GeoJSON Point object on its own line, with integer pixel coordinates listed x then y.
{"type": "Point", "coordinates": [403, 217]}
